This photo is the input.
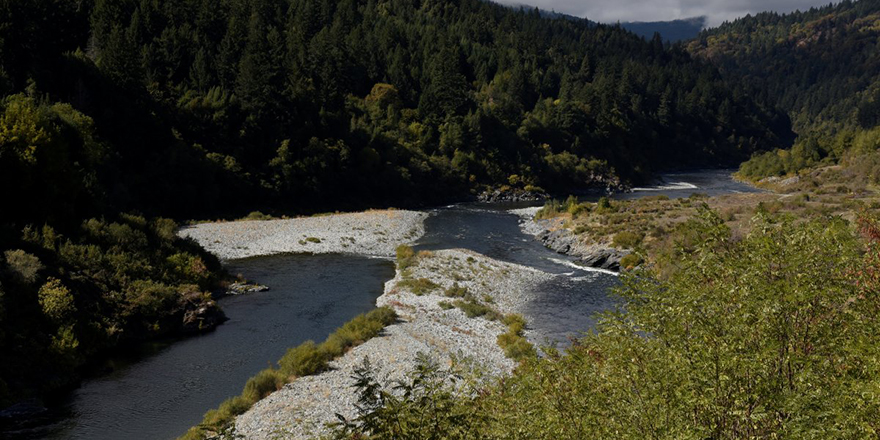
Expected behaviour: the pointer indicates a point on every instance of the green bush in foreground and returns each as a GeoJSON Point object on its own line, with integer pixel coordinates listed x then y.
{"type": "Point", "coordinates": [304, 360]}
{"type": "Point", "coordinates": [769, 337]}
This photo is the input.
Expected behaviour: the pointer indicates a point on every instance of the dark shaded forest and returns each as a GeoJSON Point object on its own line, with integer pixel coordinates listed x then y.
{"type": "Point", "coordinates": [116, 113]}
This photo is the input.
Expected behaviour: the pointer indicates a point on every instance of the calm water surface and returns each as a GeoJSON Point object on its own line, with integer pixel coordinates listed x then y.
{"type": "Point", "coordinates": [159, 392]}
{"type": "Point", "coordinates": [162, 389]}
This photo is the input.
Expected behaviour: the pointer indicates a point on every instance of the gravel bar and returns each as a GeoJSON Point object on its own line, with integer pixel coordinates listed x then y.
{"type": "Point", "coordinates": [373, 233]}
{"type": "Point", "coordinates": [302, 408]}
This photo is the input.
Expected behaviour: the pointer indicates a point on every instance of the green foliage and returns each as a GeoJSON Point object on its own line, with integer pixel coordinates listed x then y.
{"type": "Point", "coordinates": [93, 286]}
{"type": "Point", "coordinates": [304, 360]}
{"type": "Point", "coordinates": [474, 309]}
{"type": "Point", "coordinates": [631, 260]}
{"type": "Point", "coordinates": [553, 208]}
{"type": "Point", "coordinates": [406, 257]}
{"type": "Point", "coordinates": [513, 342]}
{"type": "Point", "coordinates": [25, 266]}
{"type": "Point", "coordinates": [419, 286]}
{"type": "Point", "coordinates": [768, 336]}
{"type": "Point", "coordinates": [258, 216]}
{"type": "Point", "coordinates": [820, 65]}
{"type": "Point", "coordinates": [422, 407]}
{"type": "Point", "coordinates": [604, 205]}
{"type": "Point", "coordinates": [627, 239]}
{"type": "Point", "coordinates": [56, 301]}
{"type": "Point", "coordinates": [456, 291]}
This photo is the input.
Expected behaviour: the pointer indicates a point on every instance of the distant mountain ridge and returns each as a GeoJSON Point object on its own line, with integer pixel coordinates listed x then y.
{"type": "Point", "coordinates": [674, 31]}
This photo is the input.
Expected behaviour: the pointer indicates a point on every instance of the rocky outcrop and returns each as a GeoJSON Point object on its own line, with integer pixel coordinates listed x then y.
{"type": "Point", "coordinates": [565, 242]}
{"type": "Point", "coordinates": [511, 195]}
{"type": "Point", "coordinates": [240, 288]}
{"type": "Point", "coordinates": [200, 315]}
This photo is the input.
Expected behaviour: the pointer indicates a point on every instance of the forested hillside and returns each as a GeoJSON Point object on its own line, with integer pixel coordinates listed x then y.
{"type": "Point", "coordinates": [203, 108]}
{"type": "Point", "coordinates": [822, 66]}
{"type": "Point", "coordinates": [220, 103]}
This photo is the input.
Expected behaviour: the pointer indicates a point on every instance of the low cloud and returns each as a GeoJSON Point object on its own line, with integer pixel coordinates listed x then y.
{"type": "Point", "coordinates": [717, 11]}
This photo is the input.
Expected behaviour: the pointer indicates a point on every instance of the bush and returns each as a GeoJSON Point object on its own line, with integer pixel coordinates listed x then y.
{"type": "Point", "coordinates": [25, 266]}
{"type": "Point", "coordinates": [406, 257]}
{"type": "Point", "coordinates": [627, 239]}
{"type": "Point", "coordinates": [304, 360]}
{"type": "Point", "coordinates": [474, 309]}
{"type": "Point", "coordinates": [456, 291]}
{"type": "Point", "coordinates": [264, 383]}
{"type": "Point", "coordinates": [630, 261]}
{"type": "Point", "coordinates": [257, 215]}
{"type": "Point", "coordinates": [418, 286]}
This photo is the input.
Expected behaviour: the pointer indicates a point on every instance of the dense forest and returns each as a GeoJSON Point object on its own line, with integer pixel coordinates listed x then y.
{"type": "Point", "coordinates": [820, 65]}
{"type": "Point", "coordinates": [117, 112]}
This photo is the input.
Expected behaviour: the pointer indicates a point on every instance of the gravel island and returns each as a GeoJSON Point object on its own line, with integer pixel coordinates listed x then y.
{"type": "Point", "coordinates": [372, 233]}
{"type": "Point", "coordinates": [302, 408]}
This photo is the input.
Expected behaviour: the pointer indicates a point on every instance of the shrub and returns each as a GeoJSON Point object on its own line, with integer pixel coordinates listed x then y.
{"type": "Point", "coordinates": [445, 305]}
{"type": "Point", "coordinates": [56, 300]}
{"type": "Point", "coordinates": [25, 266]}
{"type": "Point", "coordinates": [257, 215]}
{"type": "Point", "coordinates": [767, 336]}
{"type": "Point", "coordinates": [406, 257]}
{"type": "Point", "coordinates": [456, 291]}
{"type": "Point", "coordinates": [304, 360]}
{"type": "Point", "coordinates": [474, 309]}
{"type": "Point", "coordinates": [313, 239]}
{"type": "Point", "coordinates": [418, 286]}
{"type": "Point", "coordinates": [630, 261]}
{"type": "Point", "coordinates": [627, 239]}
{"type": "Point", "coordinates": [264, 383]}
{"type": "Point", "coordinates": [513, 342]}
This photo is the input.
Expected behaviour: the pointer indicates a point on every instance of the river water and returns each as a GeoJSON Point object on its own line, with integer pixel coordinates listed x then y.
{"type": "Point", "coordinates": [159, 390]}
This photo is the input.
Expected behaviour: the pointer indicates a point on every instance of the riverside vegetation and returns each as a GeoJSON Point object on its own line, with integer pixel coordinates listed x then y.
{"type": "Point", "coordinates": [224, 107]}
{"type": "Point", "coordinates": [117, 114]}
{"type": "Point", "coordinates": [752, 316]}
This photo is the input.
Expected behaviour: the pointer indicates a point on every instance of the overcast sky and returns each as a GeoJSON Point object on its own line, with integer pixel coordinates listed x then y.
{"type": "Point", "coordinates": [612, 11]}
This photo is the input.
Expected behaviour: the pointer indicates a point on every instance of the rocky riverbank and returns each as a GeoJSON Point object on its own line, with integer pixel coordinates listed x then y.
{"type": "Point", "coordinates": [422, 295]}
{"type": "Point", "coordinates": [555, 236]}
{"type": "Point", "coordinates": [372, 233]}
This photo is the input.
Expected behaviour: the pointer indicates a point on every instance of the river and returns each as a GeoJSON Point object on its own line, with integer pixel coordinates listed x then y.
{"type": "Point", "coordinates": [159, 390]}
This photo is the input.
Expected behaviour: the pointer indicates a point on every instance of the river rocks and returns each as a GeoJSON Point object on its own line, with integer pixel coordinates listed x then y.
{"type": "Point", "coordinates": [603, 258]}
{"type": "Point", "coordinates": [511, 195]}
{"type": "Point", "coordinates": [200, 316]}
{"type": "Point", "coordinates": [556, 237]}
{"type": "Point", "coordinates": [559, 240]}
{"type": "Point", "coordinates": [241, 288]}
{"type": "Point", "coordinates": [373, 233]}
